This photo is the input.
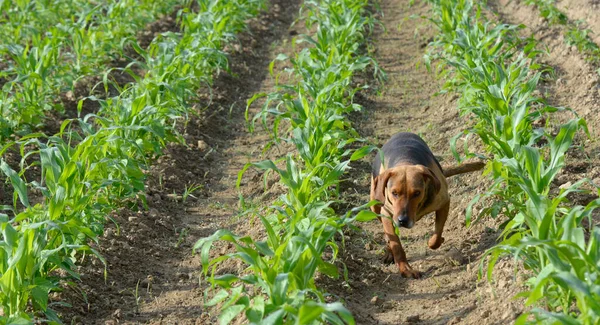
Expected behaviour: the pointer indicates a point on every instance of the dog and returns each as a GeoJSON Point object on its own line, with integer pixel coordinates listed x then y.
{"type": "Point", "coordinates": [411, 183]}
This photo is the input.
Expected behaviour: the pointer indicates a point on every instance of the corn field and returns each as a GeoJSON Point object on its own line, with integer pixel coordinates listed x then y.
{"type": "Point", "coordinates": [96, 93]}
{"type": "Point", "coordinates": [94, 163]}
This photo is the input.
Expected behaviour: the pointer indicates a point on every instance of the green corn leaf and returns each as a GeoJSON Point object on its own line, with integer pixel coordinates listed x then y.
{"type": "Point", "coordinates": [256, 312]}
{"type": "Point", "coordinates": [10, 235]}
{"type": "Point", "coordinates": [310, 312]}
{"type": "Point", "coordinates": [342, 311]}
{"type": "Point", "coordinates": [23, 319]}
{"type": "Point", "coordinates": [217, 298]}
{"type": "Point", "coordinates": [363, 151]}
{"type": "Point", "coordinates": [229, 313]}
{"type": "Point", "coordinates": [16, 181]}
{"type": "Point", "coordinates": [328, 269]}
{"type": "Point", "coordinates": [274, 317]}
{"type": "Point", "coordinates": [263, 248]}
{"type": "Point", "coordinates": [280, 288]}
{"type": "Point", "coordinates": [40, 292]}
{"type": "Point", "coordinates": [364, 216]}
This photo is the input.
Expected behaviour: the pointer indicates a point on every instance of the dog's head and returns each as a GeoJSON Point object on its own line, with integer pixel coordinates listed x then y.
{"type": "Point", "coordinates": [409, 188]}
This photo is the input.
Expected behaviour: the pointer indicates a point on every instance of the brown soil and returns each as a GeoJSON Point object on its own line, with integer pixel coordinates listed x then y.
{"type": "Point", "coordinates": [585, 11]}
{"type": "Point", "coordinates": [154, 279]}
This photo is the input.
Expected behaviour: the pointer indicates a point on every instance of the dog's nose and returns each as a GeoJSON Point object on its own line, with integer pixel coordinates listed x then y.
{"type": "Point", "coordinates": [403, 221]}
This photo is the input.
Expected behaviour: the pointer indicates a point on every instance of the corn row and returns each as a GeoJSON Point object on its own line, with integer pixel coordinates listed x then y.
{"type": "Point", "coordinates": [574, 35]}
{"type": "Point", "coordinates": [52, 46]}
{"type": "Point", "coordinates": [89, 172]}
{"type": "Point", "coordinates": [496, 73]}
{"type": "Point", "coordinates": [278, 285]}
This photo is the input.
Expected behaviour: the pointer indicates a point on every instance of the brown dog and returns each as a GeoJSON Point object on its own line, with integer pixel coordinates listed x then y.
{"type": "Point", "coordinates": [411, 183]}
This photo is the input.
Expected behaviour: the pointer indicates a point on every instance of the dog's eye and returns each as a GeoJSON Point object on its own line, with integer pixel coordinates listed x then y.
{"type": "Point", "coordinates": [416, 193]}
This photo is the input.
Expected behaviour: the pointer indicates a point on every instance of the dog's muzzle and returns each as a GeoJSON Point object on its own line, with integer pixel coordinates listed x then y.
{"type": "Point", "coordinates": [404, 222]}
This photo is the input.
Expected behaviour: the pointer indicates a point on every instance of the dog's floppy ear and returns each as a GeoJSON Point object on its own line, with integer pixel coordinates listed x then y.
{"type": "Point", "coordinates": [379, 185]}
{"type": "Point", "coordinates": [428, 173]}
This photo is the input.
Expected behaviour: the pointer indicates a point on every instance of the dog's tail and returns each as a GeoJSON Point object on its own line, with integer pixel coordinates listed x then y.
{"type": "Point", "coordinates": [463, 168]}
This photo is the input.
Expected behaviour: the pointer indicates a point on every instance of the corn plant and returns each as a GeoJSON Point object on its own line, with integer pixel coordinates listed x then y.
{"type": "Point", "coordinates": [283, 265]}
{"type": "Point", "coordinates": [278, 284]}
{"type": "Point", "coordinates": [494, 70]}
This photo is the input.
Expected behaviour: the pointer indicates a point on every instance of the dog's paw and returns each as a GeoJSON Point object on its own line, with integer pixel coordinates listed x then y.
{"type": "Point", "coordinates": [408, 272]}
{"type": "Point", "coordinates": [388, 258]}
{"type": "Point", "coordinates": [435, 242]}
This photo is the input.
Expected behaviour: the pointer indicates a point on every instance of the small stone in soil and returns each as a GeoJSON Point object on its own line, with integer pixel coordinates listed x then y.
{"type": "Point", "coordinates": [374, 300]}
{"type": "Point", "coordinates": [153, 213]}
{"type": "Point", "coordinates": [485, 314]}
{"type": "Point", "coordinates": [413, 318]}
{"type": "Point", "coordinates": [202, 145]}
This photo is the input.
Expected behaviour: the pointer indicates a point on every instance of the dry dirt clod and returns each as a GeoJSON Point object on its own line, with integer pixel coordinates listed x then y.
{"type": "Point", "coordinates": [566, 185]}
{"type": "Point", "coordinates": [374, 300]}
{"type": "Point", "coordinates": [502, 284]}
{"type": "Point", "coordinates": [202, 145]}
{"type": "Point", "coordinates": [485, 314]}
{"type": "Point", "coordinates": [153, 213]}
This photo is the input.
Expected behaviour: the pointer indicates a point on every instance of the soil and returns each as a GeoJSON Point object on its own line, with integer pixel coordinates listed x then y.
{"type": "Point", "coordinates": [152, 277]}
{"type": "Point", "coordinates": [585, 12]}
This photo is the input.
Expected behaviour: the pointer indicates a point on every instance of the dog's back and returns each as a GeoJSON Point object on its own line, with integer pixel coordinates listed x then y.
{"type": "Point", "coordinates": [405, 147]}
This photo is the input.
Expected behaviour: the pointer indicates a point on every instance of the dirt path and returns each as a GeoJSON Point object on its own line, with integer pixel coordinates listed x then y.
{"type": "Point", "coordinates": [448, 292]}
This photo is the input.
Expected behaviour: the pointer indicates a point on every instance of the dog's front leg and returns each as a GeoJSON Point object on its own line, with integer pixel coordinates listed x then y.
{"type": "Point", "coordinates": [440, 220]}
{"type": "Point", "coordinates": [393, 243]}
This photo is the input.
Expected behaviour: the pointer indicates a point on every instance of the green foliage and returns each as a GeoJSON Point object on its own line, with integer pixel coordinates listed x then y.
{"type": "Point", "coordinates": [51, 46]}
{"type": "Point", "coordinates": [96, 164]}
{"type": "Point", "coordinates": [278, 286]}
{"type": "Point", "coordinates": [494, 70]}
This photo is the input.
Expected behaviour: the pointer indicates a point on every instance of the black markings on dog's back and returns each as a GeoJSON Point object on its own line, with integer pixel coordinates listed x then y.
{"type": "Point", "coordinates": [405, 147]}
